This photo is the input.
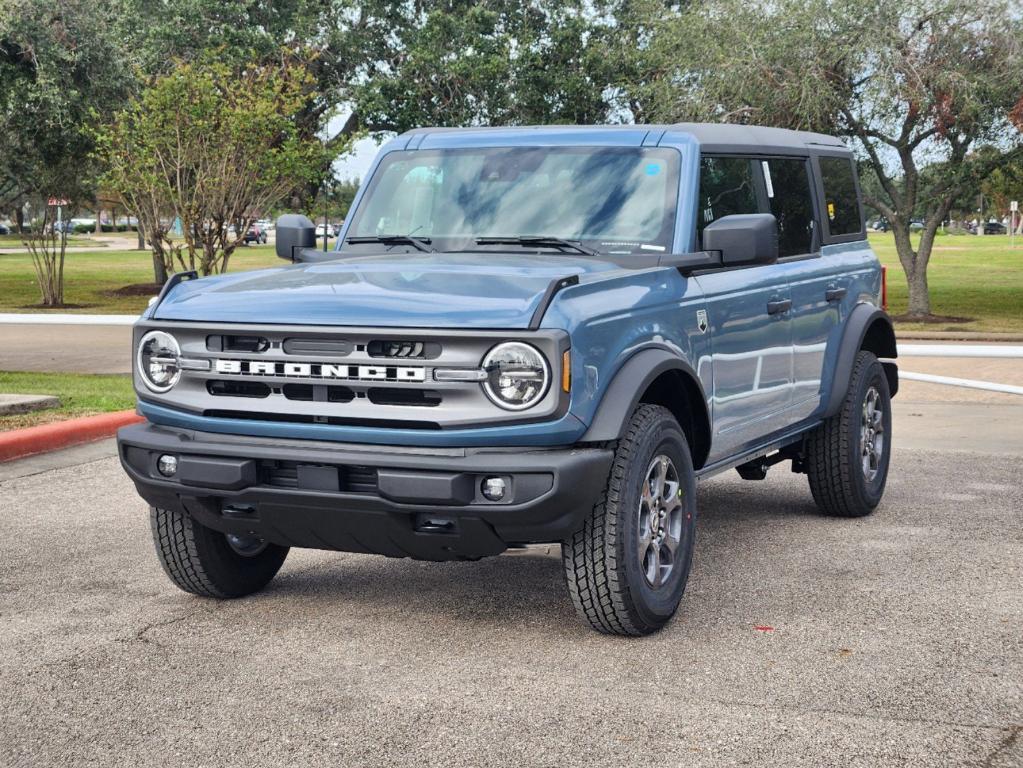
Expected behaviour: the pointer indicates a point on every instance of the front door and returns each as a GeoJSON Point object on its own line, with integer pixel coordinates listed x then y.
{"type": "Point", "coordinates": [749, 317]}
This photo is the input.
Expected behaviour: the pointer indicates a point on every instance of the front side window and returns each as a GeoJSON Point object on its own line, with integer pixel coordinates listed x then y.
{"type": "Point", "coordinates": [616, 200]}
{"type": "Point", "coordinates": [726, 188]}
{"type": "Point", "coordinates": [840, 200]}
{"type": "Point", "coordinates": [789, 199]}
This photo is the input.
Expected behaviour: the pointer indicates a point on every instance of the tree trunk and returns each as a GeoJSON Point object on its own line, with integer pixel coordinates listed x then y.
{"type": "Point", "coordinates": [159, 267]}
{"type": "Point", "coordinates": [914, 264]}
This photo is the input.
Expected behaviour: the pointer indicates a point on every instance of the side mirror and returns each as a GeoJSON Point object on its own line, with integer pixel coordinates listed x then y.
{"type": "Point", "coordinates": [746, 238]}
{"type": "Point", "coordinates": [294, 232]}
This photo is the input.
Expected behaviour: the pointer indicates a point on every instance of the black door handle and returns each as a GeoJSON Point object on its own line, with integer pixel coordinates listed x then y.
{"type": "Point", "coordinates": [834, 294]}
{"type": "Point", "coordinates": [777, 307]}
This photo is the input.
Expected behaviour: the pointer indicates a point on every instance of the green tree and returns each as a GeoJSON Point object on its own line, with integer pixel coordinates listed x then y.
{"type": "Point", "coordinates": [62, 70]}
{"type": "Point", "coordinates": [395, 66]}
{"type": "Point", "coordinates": [211, 144]}
{"type": "Point", "coordinates": [1004, 185]}
{"type": "Point", "coordinates": [911, 84]}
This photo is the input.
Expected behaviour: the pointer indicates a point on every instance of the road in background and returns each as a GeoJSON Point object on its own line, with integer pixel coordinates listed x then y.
{"type": "Point", "coordinates": [65, 348]}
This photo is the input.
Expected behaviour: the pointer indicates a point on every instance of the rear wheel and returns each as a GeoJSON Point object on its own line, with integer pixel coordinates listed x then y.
{"type": "Point", "coordinates": [628, 565]}
{"type": "Point", "coordinates": [209, 563]}
{"type": "Point", "coordinates": [847, 457]}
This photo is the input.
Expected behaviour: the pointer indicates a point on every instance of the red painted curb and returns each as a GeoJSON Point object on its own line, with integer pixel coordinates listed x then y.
{"type": "Point", "coordinates": [61, 434]}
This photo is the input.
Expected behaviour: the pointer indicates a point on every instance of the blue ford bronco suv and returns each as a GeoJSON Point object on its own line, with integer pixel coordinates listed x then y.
{"type": "Point", "coordinates": [524, 335]}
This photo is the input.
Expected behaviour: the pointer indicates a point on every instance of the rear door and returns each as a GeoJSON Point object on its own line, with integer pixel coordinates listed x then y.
{"type": "Point", "coordinates": [750, 327]}
{"type": "Point", "coordinates": [815, 284]}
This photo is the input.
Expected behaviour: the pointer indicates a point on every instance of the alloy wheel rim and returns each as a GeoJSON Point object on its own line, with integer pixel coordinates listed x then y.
{"type": "Point", "coordinates": [872, 435]}
{"type": "Point", "coordinates": [660, 521]}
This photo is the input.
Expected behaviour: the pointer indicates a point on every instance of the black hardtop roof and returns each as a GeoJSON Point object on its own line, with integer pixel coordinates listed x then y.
{"type": "Point", "coordinates": [712, 137]}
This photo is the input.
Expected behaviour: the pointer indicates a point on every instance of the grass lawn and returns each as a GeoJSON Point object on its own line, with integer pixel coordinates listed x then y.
{"type": "Point", "coordinates": [80, 395]}
{"type": "Point", "coordinates": [980, 278]}
{"type": "Point", "coordinates": [91, 280]}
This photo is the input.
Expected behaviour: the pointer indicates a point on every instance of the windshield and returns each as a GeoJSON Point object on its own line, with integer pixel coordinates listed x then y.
{"type": "Point", "coordinates": [616, 200]}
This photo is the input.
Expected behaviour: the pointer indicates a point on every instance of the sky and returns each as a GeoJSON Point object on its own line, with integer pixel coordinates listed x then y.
{"type": "Point", "coordinates": [356, 164]}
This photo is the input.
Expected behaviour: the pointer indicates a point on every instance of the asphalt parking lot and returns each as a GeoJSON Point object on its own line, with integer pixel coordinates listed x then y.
{"type": "Point", "coordinates": [893, 640]}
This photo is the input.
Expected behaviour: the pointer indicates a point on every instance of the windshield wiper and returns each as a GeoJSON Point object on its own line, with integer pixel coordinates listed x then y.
{"type": "Point", "coordinates": [539, 240]}
{"type": "Point", "coordinates": [419, 243]}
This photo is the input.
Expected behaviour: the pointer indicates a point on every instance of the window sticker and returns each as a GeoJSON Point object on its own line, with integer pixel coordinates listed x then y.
{"type": "Point", "coordinates": [831, 211]}
{"type": "Point", "coordinates": [652, 169]}
{"type": "Point", "coordinates": [767, 178]}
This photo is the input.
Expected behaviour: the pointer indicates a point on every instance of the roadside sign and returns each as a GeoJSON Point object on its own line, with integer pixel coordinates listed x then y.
{"type": "Point", "coordinates": [57, 201]}
{"type": "Point", "coordinates": [1013, 224]}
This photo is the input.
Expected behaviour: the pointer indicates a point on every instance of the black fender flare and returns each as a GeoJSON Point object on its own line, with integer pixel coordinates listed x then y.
{"type": "Point", "coordinates": [628, 385]}
{"type": "Point", "coordinates": [866, 324]}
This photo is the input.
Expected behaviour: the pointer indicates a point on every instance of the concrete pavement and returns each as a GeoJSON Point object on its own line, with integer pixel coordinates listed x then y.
{"type": "Point", "coordinates": [894, 640]}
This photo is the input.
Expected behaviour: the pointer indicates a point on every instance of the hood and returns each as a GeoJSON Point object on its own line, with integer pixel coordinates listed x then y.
{"type": "Point", "coordinates": [430, 290]}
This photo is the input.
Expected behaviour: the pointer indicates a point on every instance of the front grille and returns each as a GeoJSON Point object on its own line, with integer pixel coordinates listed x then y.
{"type": "Point", "coordinates": [407, 349]}
{"type": "Point", "coordinates": [319, 393]}
{"type": "Point", "coordinates": [422, 398]}
{"type": "Point", "coordinates": [338, 421]}
{"type": "Point", "coordinates": [345, 478]}
{"type": "Point", "coordinates": [237, 389]}
{"type": "Point", "coordinates": [237, 343]}
{"type": "Point", "coordinates": [376, 378]}
{"type": "Point", "coordinates": [325, 347]}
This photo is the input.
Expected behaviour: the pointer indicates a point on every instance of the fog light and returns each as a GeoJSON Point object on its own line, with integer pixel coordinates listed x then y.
{"type": "Point", "coordinates": [167, 465]}
{"type": "Point", "coordinates": [493, 488]}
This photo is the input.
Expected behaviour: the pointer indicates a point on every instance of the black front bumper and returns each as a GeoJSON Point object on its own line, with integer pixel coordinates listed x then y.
{"type": "Point", "coordinates": [425, 503]}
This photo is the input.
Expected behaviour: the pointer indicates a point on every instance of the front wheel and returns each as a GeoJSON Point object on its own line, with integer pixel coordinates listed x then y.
{"type": "Point", "coordinates": [627, 566]}
{"type": "Point", "coordinates": [847, 456]}
{"type": "Point", "coordinates": [209, 563]}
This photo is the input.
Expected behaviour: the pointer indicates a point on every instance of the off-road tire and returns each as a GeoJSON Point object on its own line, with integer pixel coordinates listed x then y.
{"type": "Point", "coordinates": [604, 574]}
{"type": "Point", "coordinates": [834, 463]}
{"type": "Point", "coordinates": [201, 561]}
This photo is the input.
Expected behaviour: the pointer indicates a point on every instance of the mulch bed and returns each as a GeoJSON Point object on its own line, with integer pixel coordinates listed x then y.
{"type": "Point", "coordinates": [135, 289]}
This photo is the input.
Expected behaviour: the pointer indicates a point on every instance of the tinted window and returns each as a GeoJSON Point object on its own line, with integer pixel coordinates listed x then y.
{"type": "Point", "coordinates": [840, 201]}
{"type": "Point", "coordinates": [726, 187]}
{"type": "Point", "coordinates": [788, 193]}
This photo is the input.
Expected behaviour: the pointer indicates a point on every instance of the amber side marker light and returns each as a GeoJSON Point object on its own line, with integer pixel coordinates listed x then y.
{"type": "Point", "coordinates": [566, 372]}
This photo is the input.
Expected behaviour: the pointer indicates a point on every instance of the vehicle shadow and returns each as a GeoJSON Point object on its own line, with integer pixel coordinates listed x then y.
{"type": "Point", "coordinates": [528, 588]}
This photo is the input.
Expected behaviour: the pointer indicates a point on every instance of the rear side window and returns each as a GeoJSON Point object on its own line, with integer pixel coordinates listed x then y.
{"type": "Point", "coordinates": [789, 199]}
{"type": "Point", "coordinates": [726, 187]}
{"type": "Point", "coordinates": [842, 207]}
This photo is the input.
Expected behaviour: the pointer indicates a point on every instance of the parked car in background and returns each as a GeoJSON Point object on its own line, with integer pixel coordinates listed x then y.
{"type": "Point", "coordinates": [915, 225]}
{"type": "Point", "coordinates": [879, 225]}
{"type": "Point", "coordinates": [994, 228]}
{"type": "Point", "coordinates": [4, 229]}
{"type": "Point", "coordinates": [255, 234]}
{"type": "Point", "coordinates": [326, 229]}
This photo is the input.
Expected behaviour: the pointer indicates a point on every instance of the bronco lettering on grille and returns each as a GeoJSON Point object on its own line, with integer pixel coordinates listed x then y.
{"type": "Point", "coordinates": [320, 370]}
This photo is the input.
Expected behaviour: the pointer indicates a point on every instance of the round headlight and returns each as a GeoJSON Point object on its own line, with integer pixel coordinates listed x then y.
{"type": "Point", "coordinates": [517, 375]}
{"type": "Point", "coordinates": [157, 361]}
